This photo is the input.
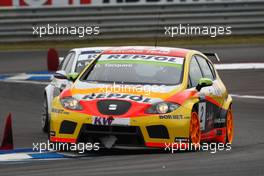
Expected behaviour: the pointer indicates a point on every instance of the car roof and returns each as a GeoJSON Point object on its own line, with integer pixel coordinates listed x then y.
{"type": "Point", "coordinates": [90, 48]}
{"type": "Point", "coordinates": [148, 50]}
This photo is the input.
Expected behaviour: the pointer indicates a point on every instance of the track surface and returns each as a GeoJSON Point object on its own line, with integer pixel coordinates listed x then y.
{"type": "Point", "coordinates": [23, 61]}
{"type": "Point", "coordinates": [245, 158]}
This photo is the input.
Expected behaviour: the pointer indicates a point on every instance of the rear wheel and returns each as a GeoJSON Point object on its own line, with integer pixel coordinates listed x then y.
{"type": "Point", "coordinates": [45, 117]}
{"type": "Point", "coordinates": [195, 131]}
{"type": "Point", "coordinates": [229, 126]}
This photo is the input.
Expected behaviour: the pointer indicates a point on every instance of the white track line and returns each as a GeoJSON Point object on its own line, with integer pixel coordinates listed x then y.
{"type": "Point", "coordinates": [248, 96]}
{"type": "Point", "coordinates": [14, 157]}
{"type": "Point", "coordinates": [26, 82]}
{"type": "Point", "coordinates": [25, 76]}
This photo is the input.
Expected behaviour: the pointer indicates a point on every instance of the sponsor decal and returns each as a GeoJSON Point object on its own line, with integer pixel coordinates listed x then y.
{"type": "Point", "coordinates": [59, 111]}
{"type": "Point", "coordinates": [102, 121]}
{"type": "Point", "coordinates": [85, 57]}
{"type": "Point", "coordinates": [96, 120]}
{"type": "Point", "coordinates": [173, 117]}
{"type": "Point", "coordinates": [139, 57]}
{"type": "Point", "coordinates": [220, 121]}
{"type": "Point", "coordinates": [214, 90]}
{"type": "Point", "coordinates": [82, 64]}
{"type": "Point", "coordinates": [137, 98]}
{"type": "Point", "coordinates": [52, 133]}
{"type": "Point", "coordinates": [178, 139]}
{"type": "Point", "coordinates": [202, 114]}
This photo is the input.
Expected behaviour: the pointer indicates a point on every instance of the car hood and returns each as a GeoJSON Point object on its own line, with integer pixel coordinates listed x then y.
{"type": "Point", "coordinates": [130, 100]}
{"type": "Point", "coordinates": [140, 93]}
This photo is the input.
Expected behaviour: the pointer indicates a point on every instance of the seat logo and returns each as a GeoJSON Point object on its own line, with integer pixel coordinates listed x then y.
{"type": "Point", "coordinates": [112, 107]}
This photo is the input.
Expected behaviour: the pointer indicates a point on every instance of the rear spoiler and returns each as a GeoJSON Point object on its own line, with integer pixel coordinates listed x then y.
{"type": "Point", "coordinates": [212, 55]}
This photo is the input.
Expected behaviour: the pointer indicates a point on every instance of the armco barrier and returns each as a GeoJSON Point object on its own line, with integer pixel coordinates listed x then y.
{"type": "Point", "coordinates": [146, 21]}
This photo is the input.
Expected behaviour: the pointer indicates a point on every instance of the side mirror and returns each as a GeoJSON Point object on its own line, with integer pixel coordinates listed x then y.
{"type": "Point", "coordinates": [72, 76]}
{"type": "Point", "coordinates": [204, 82]}
{"type": "Point", "coordinates": [60, 74]}
{"type": "Point", "coordinates": [60, 60]}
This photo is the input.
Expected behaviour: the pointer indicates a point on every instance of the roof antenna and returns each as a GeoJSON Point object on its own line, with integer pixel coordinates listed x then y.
{"type": "Point", "coordinates": [157, 27]}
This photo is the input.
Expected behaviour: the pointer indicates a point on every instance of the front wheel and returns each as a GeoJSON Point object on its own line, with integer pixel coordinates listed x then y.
{"type": "Point", "coordinates": [45, 117]}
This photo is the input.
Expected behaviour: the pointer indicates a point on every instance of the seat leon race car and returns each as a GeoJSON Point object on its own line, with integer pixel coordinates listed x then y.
{"type": "Point", "coordinates": [144, 97]}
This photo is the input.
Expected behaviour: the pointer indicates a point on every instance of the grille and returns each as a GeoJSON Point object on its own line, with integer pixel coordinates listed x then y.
{"type": "Point", "coordinates": [158, 131]}
{"type": "Point", "coordinates": [67, 127]}
{"type": "Point", "coordinates": [126, 135]}
{"type": "Point", "coordinates": [106, 107]}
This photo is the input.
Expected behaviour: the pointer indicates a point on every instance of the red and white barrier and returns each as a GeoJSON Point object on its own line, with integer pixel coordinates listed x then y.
{"type": "Point", "coordinates": [52, 60]}
{"type": "Point", "coordinates": [72, 3]}
{"type": "Point", "coordinates": [43, 3]}
{"type": "Point", "coordinates": [6, 3]}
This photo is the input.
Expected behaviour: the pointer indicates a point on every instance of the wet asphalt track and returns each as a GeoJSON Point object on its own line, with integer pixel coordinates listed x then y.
{"type": "Point", "coordinates": [245, 158]}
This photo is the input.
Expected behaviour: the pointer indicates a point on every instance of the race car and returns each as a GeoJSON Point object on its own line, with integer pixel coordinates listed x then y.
{"type": "Point", "coordinates": [74, 62]}
{"type": "Point", "coordinates": [144, 97]}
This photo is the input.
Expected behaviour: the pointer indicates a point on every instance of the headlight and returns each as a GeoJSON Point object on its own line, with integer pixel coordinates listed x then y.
{"type": "Point", "coordinates": [71, 103]}
{"type": "Point", "coordinates": [162, 108]}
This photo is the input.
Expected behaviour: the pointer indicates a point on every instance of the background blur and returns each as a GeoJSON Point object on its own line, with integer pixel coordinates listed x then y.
{"type": "Point", "coordinates": [141, 21]}
{"type": "Point", "coordinates": [133, 22]}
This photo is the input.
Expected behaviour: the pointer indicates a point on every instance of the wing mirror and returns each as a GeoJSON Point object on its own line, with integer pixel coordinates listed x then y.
{"type": "Point", "coordinates": [60, 60]}
{"type": "Point", "coordinates": [204, 82]}
{"type": "Point", "coordinates": [61, 74]}
{"type": "Point", "coordinates": [72, 76]}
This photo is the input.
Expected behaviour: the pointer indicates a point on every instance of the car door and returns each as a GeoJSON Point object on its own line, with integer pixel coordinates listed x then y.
{"type": "Point", "coordinates": [215, 90]}
{"type": "Point", "coordinates": [217, 93]}
{"type": "Point", "coordinates": [195, 74]}
{"type": "Point", "coordinates": [207, 111]}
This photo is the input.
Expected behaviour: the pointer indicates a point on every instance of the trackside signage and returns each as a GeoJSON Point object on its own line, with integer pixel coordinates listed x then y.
{"type": "Point", "coordinates": [152, 2]}
{"type": "Point", "coordinates": [74, 3]}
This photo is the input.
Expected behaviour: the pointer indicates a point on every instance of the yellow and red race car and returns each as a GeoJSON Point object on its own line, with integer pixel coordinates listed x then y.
{"type": "Point", "coordinates": [144, 96]}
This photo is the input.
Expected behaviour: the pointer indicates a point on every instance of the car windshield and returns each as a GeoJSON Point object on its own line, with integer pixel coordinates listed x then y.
{"type": "Point", "coordinates": [136, 69]}
{"type": "Point", "coordinates": [84, 59]}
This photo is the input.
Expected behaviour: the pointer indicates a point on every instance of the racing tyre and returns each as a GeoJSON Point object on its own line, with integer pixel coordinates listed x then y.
{"type": "Point", "coordinates": [229, 126]}
{"type": "Point", "coordinates": [195, 131]}
{"type": "Point", "coordinates": [45, 117]}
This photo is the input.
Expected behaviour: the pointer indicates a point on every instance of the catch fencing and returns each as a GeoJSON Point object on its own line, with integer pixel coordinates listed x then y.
{"type": "Point", "coordinates": [132, 21]}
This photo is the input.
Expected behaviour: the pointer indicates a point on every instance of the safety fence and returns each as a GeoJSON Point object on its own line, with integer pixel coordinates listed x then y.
{"type": "Point", "coordinates": [133, 21]}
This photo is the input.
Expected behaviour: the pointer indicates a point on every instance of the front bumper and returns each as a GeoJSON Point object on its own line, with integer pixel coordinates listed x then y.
{"type": "Point", "coordinates": [144, 131]}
